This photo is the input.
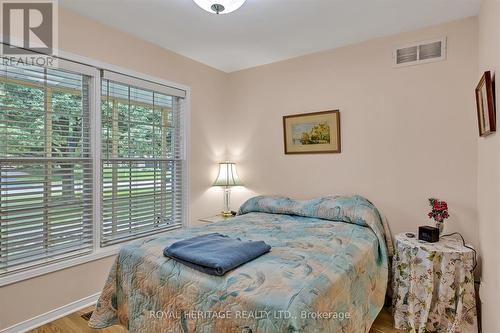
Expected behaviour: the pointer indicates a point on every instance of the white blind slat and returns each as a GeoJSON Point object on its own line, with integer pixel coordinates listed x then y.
{"type": "Point", "coordinates": [45, 165]}
{"type": "Point", "coordinates": [141, 159]}
{"type": "Point", "coordinates": [145, 86]}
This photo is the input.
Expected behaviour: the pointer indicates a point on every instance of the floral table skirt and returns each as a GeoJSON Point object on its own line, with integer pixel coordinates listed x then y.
{"type": "Point", "coordinates": [433, 286]}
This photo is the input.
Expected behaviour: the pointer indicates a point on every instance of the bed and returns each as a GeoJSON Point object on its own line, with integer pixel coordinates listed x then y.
{"type": "Point", "coordinates": [327, 272]}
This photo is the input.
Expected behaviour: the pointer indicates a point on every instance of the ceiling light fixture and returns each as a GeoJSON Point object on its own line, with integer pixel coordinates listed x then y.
{"type": "Point", "coordinates": [220, 6]}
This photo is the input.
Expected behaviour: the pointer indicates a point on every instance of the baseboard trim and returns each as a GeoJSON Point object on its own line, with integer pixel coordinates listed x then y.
{"type": "Point", "coordinates": [51, 315]}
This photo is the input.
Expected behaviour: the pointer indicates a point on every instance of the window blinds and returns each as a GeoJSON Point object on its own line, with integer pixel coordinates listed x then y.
{"type": "Point", "coordinates": [141, 158]}
{"type": "Point", "coordinates": [45, 165]}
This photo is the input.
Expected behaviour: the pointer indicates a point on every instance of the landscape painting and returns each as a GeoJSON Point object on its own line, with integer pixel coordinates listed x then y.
{"type": "Point", "coordinates": [311, 133]}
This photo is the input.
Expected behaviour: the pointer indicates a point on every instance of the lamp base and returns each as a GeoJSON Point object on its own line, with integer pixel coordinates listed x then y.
{"type": "Point", "coordinates": [227, 214]}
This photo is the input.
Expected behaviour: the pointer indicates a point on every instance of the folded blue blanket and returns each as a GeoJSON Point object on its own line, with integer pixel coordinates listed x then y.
{"type": "Point", "coordinates": [215, 253]}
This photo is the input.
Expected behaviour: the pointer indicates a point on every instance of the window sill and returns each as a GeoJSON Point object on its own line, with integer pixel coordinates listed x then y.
{"type": "Point", "coordinates": [100, 253]}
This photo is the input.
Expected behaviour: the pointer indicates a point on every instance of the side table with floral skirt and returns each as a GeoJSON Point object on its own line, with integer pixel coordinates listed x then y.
{"type": "Point", "coordinates": [433, 286]}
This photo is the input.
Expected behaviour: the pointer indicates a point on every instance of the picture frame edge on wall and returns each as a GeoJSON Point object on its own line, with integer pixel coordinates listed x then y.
{"type": "Point", "coordinates": [317, 113]}
{"type": "Point", "coordinates": [487, 81]}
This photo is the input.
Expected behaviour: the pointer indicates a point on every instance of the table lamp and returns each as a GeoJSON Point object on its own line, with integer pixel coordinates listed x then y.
{"type": "Point", "coordinates": [227, 177]}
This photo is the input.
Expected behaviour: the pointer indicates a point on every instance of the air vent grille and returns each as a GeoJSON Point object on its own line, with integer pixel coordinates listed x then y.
{"type": "Point", "coordinates": [421, 52]}
{"type": "Point", "coordinates": [408, 54]}
{"type": "Point", "coordinates": [429, 51]}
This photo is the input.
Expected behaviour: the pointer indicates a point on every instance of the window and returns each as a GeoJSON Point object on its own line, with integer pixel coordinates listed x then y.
{"type": "Point", "coordinates": [45, 165]}
{"type": "Point", "coordinates": [88, 158]}
{"type": "Point", "coordinates": [142, 158]}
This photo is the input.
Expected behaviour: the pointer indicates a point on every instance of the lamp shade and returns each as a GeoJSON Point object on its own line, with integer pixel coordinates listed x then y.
{"type": "Point", "coordinates": [227, 175]}
{"type": "Point", "coordinates": [220, 6]}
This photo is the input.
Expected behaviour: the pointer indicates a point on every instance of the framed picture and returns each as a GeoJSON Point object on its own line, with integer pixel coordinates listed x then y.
{"type": "Point", "coordinates": [485, 101]}
{"type": "Point", "coordinates": [312, 133]}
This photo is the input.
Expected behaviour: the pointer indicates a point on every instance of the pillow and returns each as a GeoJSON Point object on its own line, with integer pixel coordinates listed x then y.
{"type": "Point", "coordinates": [350, 209]}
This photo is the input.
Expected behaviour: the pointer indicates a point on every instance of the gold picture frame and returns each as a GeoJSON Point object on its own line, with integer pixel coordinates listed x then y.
{"type": "Point", "coordinates": [485, 103]}
{"type": "Point", "coordinates": [312, 133]}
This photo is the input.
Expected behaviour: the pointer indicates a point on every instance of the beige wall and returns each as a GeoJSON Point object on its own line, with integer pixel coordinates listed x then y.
{"type": "Point", "coordinates": [489, 173]}
{"type": "Point", "coordinates": [81, 36]}
{"type": "Point", "coordinates": [407, 133]}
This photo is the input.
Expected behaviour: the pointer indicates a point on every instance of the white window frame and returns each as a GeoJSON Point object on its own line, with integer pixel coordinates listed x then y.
{"type": "Point", "coordinates": [126, 81]}
{"type": "Point", "coordinates": [95, 132]}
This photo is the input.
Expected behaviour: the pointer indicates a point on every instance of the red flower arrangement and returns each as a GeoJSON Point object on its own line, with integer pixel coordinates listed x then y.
{"type": "Point", "coordinates": [439, 210]}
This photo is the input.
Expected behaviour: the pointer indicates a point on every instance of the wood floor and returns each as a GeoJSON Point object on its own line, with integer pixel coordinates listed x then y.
{"type": "Point", "coordinates": [74, 323]}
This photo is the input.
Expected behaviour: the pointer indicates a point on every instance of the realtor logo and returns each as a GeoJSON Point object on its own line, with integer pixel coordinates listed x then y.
{"type": "Point", "coordinates": [29, 28]}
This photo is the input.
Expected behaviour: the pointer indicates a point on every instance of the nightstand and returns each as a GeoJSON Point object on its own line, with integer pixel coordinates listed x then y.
{"type": "Point", "coordinates": [433, 285]}
{"type": "Point", "coordinates": [211, 219]}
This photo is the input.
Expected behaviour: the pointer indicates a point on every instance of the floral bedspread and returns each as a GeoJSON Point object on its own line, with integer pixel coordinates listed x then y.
{"type": "Point", "coordinates": [327, 272]}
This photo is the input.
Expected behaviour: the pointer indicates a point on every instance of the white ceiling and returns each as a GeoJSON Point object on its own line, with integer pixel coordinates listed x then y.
{"type": "Point", "coordinates": [265, 31]}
